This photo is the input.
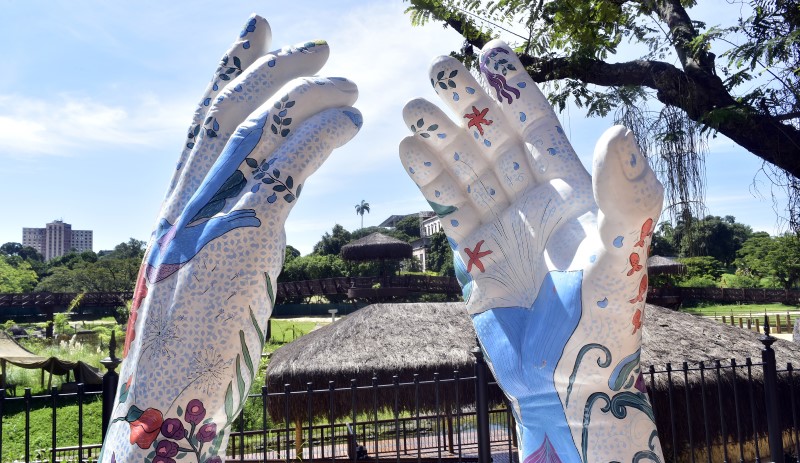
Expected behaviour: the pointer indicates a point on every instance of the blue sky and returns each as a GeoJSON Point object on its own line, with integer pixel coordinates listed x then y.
{"type": "Point", "coordinates": [96, 97]}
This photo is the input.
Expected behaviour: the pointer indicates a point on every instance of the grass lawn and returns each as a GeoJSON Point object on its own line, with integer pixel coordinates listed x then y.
{"type": "Point", "coordinates": [13, 414]}
{"type": "Point", "coordinates": [754, 311]}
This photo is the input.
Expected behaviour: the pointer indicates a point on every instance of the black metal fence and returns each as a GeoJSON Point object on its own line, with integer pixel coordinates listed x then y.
{"type": "Point", "coordinates": [728, 411]}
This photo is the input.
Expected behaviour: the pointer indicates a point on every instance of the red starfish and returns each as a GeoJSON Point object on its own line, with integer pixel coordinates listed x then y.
{"type": "Point", "coordinates": [477, 118]}
{"type": "Point", "coordinates": [475, 257]}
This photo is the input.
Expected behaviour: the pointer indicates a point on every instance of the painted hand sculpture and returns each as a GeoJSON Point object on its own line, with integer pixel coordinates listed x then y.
{"type": "Point", "coordinates": [551, 260]}
{"type": "Point", "coordinates": [205, 289]}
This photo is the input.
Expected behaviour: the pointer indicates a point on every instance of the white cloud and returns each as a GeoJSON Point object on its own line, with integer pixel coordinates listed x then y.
{"type": "Point", "coordinates": [67, 124]}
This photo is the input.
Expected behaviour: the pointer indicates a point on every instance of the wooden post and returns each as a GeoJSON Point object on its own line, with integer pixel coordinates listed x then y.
{"type": "Point", "coordinates": [758, 329]}
{"type": "Point", "coordinates": [750, 324]}
{"type": "Point", "coordinates": [450, 437]}
{"type": "Point", "coordinates": [789, 326]}
{"type": "Point", "coordinates": [733, 321]}
{"type": "Point", "coordinates": [724, 320]}
{"type": "Point", "coordinates": [741, 325]}
{"type": "Point", "coordinates": [778, 323]}
{"type": "Point", "coordinates": [298, 439]}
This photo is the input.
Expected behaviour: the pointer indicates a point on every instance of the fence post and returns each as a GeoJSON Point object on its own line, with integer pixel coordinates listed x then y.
{"type": "Point", "coordinates": [110, 381]}
{"type": "Point", "coordinates": [482, 404]}
{"type": "Point", "coordinates": [771, 394]}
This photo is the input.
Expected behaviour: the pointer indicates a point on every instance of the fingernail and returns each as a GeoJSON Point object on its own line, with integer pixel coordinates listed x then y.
{"type": "Point", "coordinates": [354, 116]}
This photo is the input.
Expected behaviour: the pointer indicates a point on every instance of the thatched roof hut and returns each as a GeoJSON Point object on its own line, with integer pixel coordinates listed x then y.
{"type": "Point", "coordinates": [376, 246]}
{"type": "Point", "coordinates": [381, 340]}
{"type": "Point", "coordinates": [660, 265]}
{"type": "Point", "coordinates": [403, 339]}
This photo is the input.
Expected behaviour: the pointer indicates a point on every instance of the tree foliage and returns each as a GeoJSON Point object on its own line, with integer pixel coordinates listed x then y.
{"type": "Point", "coordinates": [18, 278]}
{"type": "Point", "coordinates": [740, 80]}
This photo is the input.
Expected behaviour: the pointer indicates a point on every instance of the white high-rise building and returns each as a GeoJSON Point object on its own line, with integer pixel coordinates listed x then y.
{"type": "Point", "coordinates": [57, 239]}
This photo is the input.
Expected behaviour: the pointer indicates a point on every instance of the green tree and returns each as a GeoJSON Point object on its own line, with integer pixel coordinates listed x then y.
{"type": "Point", "coordinates": [313, 267]}
{"type": "Point", "coordinates": [331, 243]}
{"type": "Point", "coordinates": [16, 279]}
{"type": "Point", "coordinates": [440, 255]}
{"type": "Point", "coordinates": [751, 259]}
{"type": "Point", "coordinates": [361, 208]}
{"type": "Point", "coordinates": [409, 225]}
{"type": "Point", "coordinates": [784, 260]}
{"type": "Point", "coordinates": [738, 79]}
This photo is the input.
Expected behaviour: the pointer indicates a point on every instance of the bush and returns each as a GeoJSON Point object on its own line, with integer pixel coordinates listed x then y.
{"type": "Point", "coordinates": [730, 280]}
{"type": "Point", "coordinates": [703, 281]}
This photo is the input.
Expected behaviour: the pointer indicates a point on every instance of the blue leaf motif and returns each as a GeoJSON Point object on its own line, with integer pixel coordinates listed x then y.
{"type": "Point", "coordinates": [255, 187]}
{"type": "Point", "coordinates": [272, 198]}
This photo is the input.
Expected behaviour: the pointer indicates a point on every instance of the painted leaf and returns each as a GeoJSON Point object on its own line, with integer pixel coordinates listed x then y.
{"type": "Point", "coordinates": [282, 112]}
{"type": "Point", "coordinates": [224, 77]}
{"type": "Point", "coordinates": [284, 132]}
{"type": "Point", "coordinates": [229, 402]}
{"type": "Point", "coordinates": [511, 66]}
{"type": "Point", "coordinates": [251, 162]}
{"type": "Point", "coordinates": [433, 127]}
{"type": "Point", "coordinates": [253, 316]}
{"type": "Point", "coordinates": [289, 182]}
{"type": "Point", "coordinates": [451, 84]}
{"type": "Point", "coordinates": [420, 123]}
{"type": "Point", "coordinates": [289, 104]}
{"type": "Point", "coordinates": [211, 133]}
{"type": "Point", "coordinates": [442, 85]}
{"type": "Point", "coordinates": [269, 180]}
{"type": "Point", "coordinates": [285, 98]}
{"type": "Point", "coordinates": [299, 188]}
{"type": "Point", "coordinates": [424, 135]}
{"type": "Point", "coordinates": [279, 188]}
{"type": "Point", "coordinates": [439, 75]}
{"type": "Point", "coordinates": [453, 73]}
{"type": "Point", "coordinates": [179, 410]}
{"type": "Point", "coordinates": [276, 173]}
{"type": "Point", "coordinates": [230, 71]}
{"type": "Point", "coordinates": [240, 380]}
{"type": "Point", "coordinates": [272, 198]}
{"type": "Point", "coordinates": [246, 354]}
{"type": "Point", "coordinates": [288, 197]}
{"type": "Point", "coordinates": [259, 176]}
{"type": "Point", "coordinates": [237, 62]}
{"type": "Point", "coordinates": [276, 119]}
{"type": "Point", "coordinates": [208, 120]}
{"type": "Point", "coordinates": [287, 121]}
{"type": "Point", "coordinates": [277, 105]}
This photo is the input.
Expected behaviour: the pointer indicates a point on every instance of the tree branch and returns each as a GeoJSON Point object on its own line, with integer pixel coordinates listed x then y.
{"type": "Point", "coordinates": [763, 135]}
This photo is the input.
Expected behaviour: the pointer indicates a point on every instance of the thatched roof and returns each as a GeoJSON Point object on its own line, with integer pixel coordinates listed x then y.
{"type": "Point", "coordinates": [379, 340]}
{"type": "Point", "coordinates": [660, 265]}
{"type": "Point", "coordinates": [376, 246]}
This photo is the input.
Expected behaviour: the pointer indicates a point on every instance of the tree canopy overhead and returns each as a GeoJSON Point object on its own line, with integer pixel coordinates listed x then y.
{"type": "Point", "coordinates": [741, 80]}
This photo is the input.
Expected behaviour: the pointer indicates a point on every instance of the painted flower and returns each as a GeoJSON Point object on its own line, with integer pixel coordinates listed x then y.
{"type": "Point", "coordinates": [145, 427]}
{"type": "Point", "coordinates": [207, 432]}
{"type": "Point", "coordinates": [166, 449]}
{"type": "Point", "coordinates": [160, 459]}
{"type": "Point", "coordinates": [195, 412]}
{"type": "Point", "coordinates": [173, 429]}
{"type": "Point", "coordinates": [214, 460]}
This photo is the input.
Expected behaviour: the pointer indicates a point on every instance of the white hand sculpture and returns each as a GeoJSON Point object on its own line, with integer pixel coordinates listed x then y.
{"type": "Point", "coordinates": [551, 260]}
{"type": "Point", "coordinates": [206, 287]}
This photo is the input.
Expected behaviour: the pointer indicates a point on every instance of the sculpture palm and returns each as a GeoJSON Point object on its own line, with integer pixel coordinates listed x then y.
{"type": "Point", "coordinates": [551, 260]}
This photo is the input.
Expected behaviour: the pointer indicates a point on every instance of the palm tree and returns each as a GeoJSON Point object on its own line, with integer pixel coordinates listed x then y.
{"type": "Point", "coordinates": [361, 209]}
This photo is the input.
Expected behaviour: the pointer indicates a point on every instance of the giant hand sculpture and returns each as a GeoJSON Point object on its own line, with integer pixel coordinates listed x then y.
{"type": "Point", "coordinates": [205, 289]}
{"type": "Point", "coordinates": [551, 260]}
